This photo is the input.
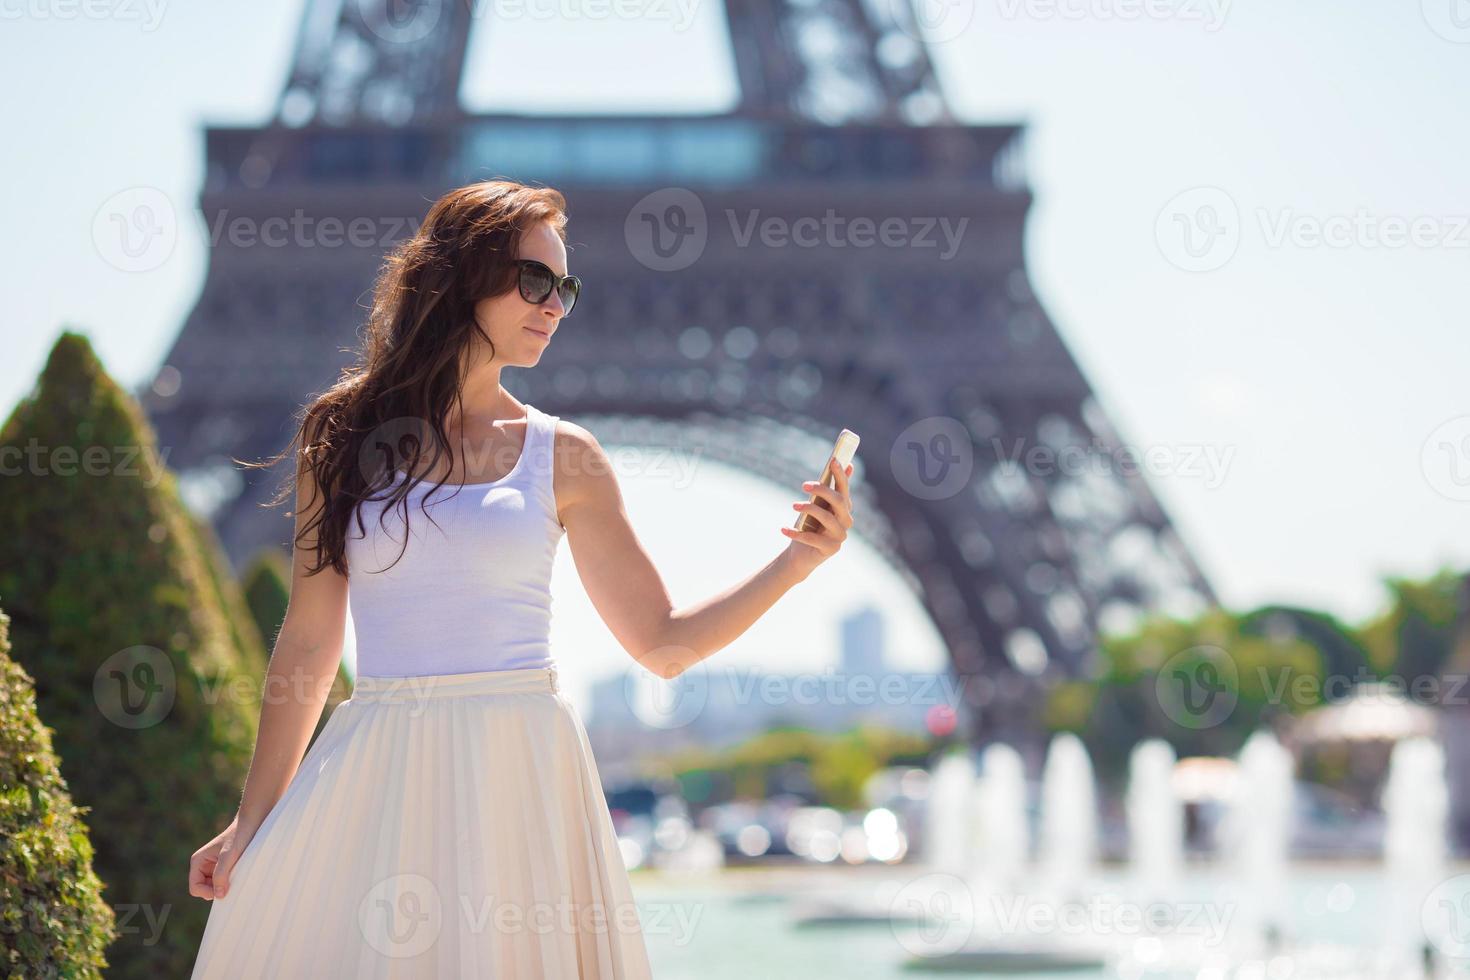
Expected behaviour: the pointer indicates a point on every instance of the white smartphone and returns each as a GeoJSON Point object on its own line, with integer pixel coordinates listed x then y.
{"type": "Point", "coordinates": [843, 450]}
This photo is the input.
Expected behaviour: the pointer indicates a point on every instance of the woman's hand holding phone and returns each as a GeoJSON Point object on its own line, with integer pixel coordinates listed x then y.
{"type": "Point", "coordinates": [830, 512]}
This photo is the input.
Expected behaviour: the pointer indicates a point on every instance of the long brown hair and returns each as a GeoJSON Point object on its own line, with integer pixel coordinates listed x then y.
{"type": "Point", "coordinates": [354, 436]}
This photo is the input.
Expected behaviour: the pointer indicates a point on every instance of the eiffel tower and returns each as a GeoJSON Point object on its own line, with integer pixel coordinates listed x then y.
{"type": "Point", "coordinates": [837, 250]}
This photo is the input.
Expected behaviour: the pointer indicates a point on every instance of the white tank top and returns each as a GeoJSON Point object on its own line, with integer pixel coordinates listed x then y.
{"type": "Point", "coordinates": [472, 593]}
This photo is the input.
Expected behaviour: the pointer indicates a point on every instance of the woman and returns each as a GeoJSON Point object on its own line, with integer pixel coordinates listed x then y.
{"type": "Point", "coordinates": [449, 819]}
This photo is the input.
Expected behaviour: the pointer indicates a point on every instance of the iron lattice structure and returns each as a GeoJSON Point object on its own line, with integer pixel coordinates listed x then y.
{"type": "Point", "coordinates": [836, 251]}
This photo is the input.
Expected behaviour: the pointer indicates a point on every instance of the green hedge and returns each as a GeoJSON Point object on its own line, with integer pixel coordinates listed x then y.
{"type": "Point", "coordinates": [244, 633]}
{"type": "Point", "coordinates": [53, 921]}
{"type": "Point", "coordinates": [266, 585]}
{"type": "Point", "coordinates": [137, 669]}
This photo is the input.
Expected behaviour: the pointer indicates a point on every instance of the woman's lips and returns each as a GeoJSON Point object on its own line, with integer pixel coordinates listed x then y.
{"type": "Point", "coordinates": [543, 335]}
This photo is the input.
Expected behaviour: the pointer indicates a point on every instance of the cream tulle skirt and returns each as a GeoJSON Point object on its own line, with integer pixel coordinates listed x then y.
{"type": "Point", "coordinates": [446, 825]}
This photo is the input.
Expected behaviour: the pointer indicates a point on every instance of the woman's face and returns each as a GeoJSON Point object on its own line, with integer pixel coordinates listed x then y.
{"type": "Point", "coordinates": [519, 330]}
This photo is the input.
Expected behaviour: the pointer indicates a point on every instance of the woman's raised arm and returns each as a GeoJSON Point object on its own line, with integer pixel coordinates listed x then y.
{"type": "Point", "coordinates": [625, 587]}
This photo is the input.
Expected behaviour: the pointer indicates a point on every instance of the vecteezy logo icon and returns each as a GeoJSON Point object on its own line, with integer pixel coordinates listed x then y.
{"type": "Point", "coordinates": [1445, 916]}
{"type": "Point", "coordinates": [135, 230]}
{"type": "Point", "coordinates": [401, 916]}
{"type": "Point", "coordinates": [1450, 19]}
{"type": "Point", "coordinates": [1445, 458]}
{"type": "Point", "coordinates": [667, 230]}
{"type": "Point", "coordinates": [400, 21]}
{"type": "Point", "coordinates": [1199, 687]}
{"type": "Point", "coordinates": [933, 458]}
{"type": "Point", "coordinates": [932, 21]}
{"type": "Point", "coordinates": [392, 446]}
{"type": "Point", "coordinates": [135, 687]}
{"type": "Point", "coordinates": [933, 915]}
{"type": "Point", "coordinates": [1199, 229]}
{"type": "Point", "coordinates": [671, 703]}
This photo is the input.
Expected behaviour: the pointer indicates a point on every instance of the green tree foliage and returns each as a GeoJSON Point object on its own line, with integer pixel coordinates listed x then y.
{"type": "Point", "coordinates": [1413, 638]}
{"type": "Point", "coordinates": [1282, 659]}
{"type": "Point", "coordinates": [266, 585]}
{"type": "Point", "coordinates": [244, 633]}
{"type": "Point", "coordinates": [1138, 695]}
{"type": "Point", "coordinates": [116, 614]}
{"type": "Point", "coordinates": [53, 921]}
{"type": "Point", "coordinates": [1339, 645]}
{"type": "Point", "coordinates": [829, 769]}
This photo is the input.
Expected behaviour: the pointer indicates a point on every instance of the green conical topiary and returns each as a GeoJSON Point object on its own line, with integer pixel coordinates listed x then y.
{"type": "Point", "coordinates": [115, 616]}
{"type": "Point", "coordinates": [244, 632]}
{"type": "Point", "coordinates": [266, 584]}
{"type": "Point", "coordinates": [53, 921]}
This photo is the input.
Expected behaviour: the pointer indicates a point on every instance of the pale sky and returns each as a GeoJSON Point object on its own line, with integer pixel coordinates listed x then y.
{"type": "Point", "coordinates": [1319, 363]}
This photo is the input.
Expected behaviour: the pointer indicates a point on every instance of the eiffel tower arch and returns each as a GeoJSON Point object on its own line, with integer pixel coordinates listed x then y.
{"type": "Point", "coordinates": [835, 251]}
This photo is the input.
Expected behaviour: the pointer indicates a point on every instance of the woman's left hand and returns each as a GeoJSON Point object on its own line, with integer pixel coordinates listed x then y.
{"type": "Point", "coordinates": [808, 549]}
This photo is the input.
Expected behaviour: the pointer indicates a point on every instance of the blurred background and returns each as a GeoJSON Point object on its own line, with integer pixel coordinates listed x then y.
{"type": "Point", "coordinates": [1148, 655]}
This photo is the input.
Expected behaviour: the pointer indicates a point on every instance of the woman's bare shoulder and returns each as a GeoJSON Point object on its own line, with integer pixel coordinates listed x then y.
{"type": "Point", "coordinates": [582, 469]}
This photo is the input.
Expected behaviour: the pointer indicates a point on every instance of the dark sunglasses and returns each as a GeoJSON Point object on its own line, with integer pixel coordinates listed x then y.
{"type": "Point", "coordinates": [537, 281]}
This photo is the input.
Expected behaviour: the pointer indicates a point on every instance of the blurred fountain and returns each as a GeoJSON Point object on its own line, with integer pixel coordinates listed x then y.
{"type": "Point", "coordinates": [1001, 841]}
{"type": "Point", "coordinates": [947, 835]}
{"type": "Point", "coordinates": [1155, 822]}
{"type": "Point", "coordinates": [1415, 850]}
{"type": "Point", "coordinates": [996, 930]}
{"type": "Point", "coordinates": [1256, 838]}
{"type": "Point", "coordinates": [1069, 818]}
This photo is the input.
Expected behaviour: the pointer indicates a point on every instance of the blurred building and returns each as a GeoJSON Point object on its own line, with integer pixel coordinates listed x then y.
{"type": "Point", "coordinates": [737, 703]}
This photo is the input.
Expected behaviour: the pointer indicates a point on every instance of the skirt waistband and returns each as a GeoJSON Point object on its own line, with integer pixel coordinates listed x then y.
{"type": "Point", "coordinates": [525, 680]}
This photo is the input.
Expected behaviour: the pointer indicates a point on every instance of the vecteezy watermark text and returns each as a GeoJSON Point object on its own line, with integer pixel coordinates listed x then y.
{"type": "Point", "coordinates": [833, 230]}
{"type": "Point", "coordinates": [148, 13]}
{"type": "Point", "coordinates": [1211, 13]}
{"type": "Point", "coordinates": [1202, 228]}
{"type": "Point", "coordinates": [302, 230]}
{"type": "Point", "coordinates": [35, 459]}
{"type": "Point", "coordinates": [1206, 462]}
{"type": "Point", "coordinates": [668, 230]}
